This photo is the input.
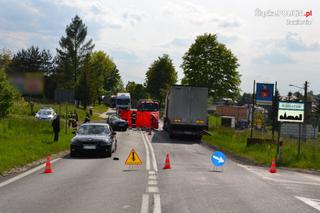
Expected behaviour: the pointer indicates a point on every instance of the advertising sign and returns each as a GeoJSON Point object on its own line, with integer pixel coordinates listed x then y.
{"type": "Point", "coordinates": [28, 83]}
{"type": "Point", "coordinates": [292, 112]}
{"type": "Point", "coordinates": [264, 93]}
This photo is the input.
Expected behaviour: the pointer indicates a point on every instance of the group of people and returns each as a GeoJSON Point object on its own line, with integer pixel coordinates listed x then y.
{"type": "Point", "coordinates": [72, 122]}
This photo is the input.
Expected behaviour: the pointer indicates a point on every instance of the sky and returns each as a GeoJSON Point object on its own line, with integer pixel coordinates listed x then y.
{"type": "Point", "coordinates": [274, 41]}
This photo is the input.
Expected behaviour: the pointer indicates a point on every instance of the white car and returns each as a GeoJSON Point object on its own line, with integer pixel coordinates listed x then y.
{"type": "Point", "coordinates": [46, 114]}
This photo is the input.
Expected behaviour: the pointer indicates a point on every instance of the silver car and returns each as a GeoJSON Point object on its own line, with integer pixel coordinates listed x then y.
{"type": "Point", "coordinates": [46, 114]}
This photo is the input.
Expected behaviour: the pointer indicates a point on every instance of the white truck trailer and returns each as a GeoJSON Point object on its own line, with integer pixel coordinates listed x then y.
{"type": "Point", "coordinates": [186, 111]}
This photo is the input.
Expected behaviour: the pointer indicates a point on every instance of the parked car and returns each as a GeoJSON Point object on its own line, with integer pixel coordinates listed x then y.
{"type": "Point", "coordinates": [46, 114]}
{"type": "Point", "coordinates": [117, 123]}
{"type": "Point", "coordinates": [97, 138]}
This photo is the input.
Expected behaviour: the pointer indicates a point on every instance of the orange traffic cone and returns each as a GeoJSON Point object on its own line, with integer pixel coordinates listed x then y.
{"type": "Point", "coordinates": [273, 166]}
{"type": "Point", "coordinates": [167, 163]}
{"type": "Point", "coordinates": [48, 168]}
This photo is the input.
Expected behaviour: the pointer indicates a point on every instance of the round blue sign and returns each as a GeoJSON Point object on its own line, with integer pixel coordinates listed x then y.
{"type": "Point", "coordinates": [218, 159]}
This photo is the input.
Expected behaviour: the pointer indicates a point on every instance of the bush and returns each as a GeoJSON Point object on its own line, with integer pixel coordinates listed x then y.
{"type": "Point", "coordinates": [7, 94]}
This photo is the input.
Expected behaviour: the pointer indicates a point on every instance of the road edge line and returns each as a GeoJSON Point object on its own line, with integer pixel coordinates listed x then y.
{"type": "Point", "coordinates": [20, 176]}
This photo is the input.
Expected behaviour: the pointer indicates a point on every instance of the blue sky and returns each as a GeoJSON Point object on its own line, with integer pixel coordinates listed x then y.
{"type": "Point", "coordinates": [135, 33]}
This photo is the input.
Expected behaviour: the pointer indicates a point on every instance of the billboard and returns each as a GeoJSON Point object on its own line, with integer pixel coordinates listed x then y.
{"type": "Point", "coordinates": [30, 83]}
{"type": "Point", "coordinates": [291, 112]}
{"type": "Point", "coordinates": [264, 93]}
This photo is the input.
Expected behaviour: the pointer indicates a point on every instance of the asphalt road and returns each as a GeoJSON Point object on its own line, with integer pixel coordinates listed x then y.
{"type": "Point", "coordinates": [192, 185]}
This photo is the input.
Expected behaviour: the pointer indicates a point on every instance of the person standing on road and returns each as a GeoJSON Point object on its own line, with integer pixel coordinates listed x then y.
{"type": "Point", "coordinates": [56, 127]}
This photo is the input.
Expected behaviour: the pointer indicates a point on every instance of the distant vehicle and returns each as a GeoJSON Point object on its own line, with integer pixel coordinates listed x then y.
{"type": "Point", "coordinates": [117, 123]}
{"type": "Point", "coordinates": [123, 101]}
{"type": "Point", "coordinates": [186, 111]}
{"type": "Point", "coordinates": [96, 138]}
{"type": "Point", "coordinates": [113, 101]}
{"type": "Point", "coordinates": [46, 114]}
{"type": "Point", "coordinates": [148, 105]}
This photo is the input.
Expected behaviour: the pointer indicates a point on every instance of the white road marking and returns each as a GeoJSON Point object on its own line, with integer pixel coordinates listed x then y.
{"type": "Point", "coordinates": [152, 177]}
{"type": "Point", "coordinates": [152, 182]}
{"type": "Point", "coordinates": [152, 189]}
{"type": "Point", "coordinates": [157, 203]}
{"type": "Point", "coordinates": [11, 180]}
{"type": "Point", "coordinates": [277, 180]}
{"type": "Point", "coordinates": [145, 203]}
{"type": "Point", "coordinates": [152, 172]}
{"type": "Point", "coordinates": [315, 203]}
{"type": "Point", "coordinates": [154, 162]}
{"type": "Point", "coordinates": [147, 152]}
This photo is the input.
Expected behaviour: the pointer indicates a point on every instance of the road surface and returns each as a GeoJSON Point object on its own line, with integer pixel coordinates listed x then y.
{"type": "Point", "coordinates": [107, 185]}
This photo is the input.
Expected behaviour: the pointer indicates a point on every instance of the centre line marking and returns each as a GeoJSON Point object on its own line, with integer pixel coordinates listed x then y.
{"type": "Point", "coordinates": [154, 162]}
{"type": "Point", "coordinates": [147, 152]}
{"type": "Point", "coordinates": [145, 203]}
{"type": "Point", "coordinates": [157, 204]}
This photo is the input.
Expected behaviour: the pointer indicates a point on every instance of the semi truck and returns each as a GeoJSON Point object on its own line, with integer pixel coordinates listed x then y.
{"type": "Point", "coordinates": [123, 101]}
{"type": "Point", "coordinates": [186, 111]}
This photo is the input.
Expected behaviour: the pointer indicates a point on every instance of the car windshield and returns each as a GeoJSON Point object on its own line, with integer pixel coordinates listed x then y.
{"type": "Point", "coordinates": [123, 101]}
{"type": "Point", "coordinates": [45, 112]}
{"type": "Point", "coordinates": [93, 130]}
{"type": "Point", "coordinates": [149, 107]}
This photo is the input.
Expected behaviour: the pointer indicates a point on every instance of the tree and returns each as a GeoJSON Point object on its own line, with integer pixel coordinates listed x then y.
{"type": "Point", "coordinates": [7, 94]}
{"type": "Point", "coordinates": [137, 91]}
{"type": "Point", "coordinates": [5, 59]}
{"type": "Point", "coordinates": [245, 98]}
{"type": "Point", "coordinates": [98, 77]}
{"type": "Point", "coordinates": [32, 60]}
{"type": "Point", "coordinates": [160, 76]}
{"type": "Point", "coordinates": [73, 52]}
{"type": "Point", "coordinates": [210, 64]}
{"type": "Point", "coordinates": [298, 96]}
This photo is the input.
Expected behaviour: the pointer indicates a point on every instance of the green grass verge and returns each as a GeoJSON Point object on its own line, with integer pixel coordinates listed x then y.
{"type": "Point", "coordinates": [25, 139]}
{"type": "Point", "coordinates": [235, 142]}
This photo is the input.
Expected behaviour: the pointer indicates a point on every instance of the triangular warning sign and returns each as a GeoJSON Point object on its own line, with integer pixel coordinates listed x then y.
{"type": "Point", "coordinates": [133, 158]}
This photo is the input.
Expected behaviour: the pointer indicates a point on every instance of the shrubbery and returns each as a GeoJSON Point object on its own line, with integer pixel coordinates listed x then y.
{"type": "Point", "coordinates": [7, 94]}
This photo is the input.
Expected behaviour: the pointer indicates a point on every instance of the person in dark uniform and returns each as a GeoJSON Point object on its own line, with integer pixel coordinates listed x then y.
{"type": "Point", "coordinates": [56, 127]}
{"type": "Point", "coordinates": [87, 119]}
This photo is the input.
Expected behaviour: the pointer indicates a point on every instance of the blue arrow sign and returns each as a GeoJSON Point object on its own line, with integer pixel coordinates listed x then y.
{"type": "Point", "coordinates": [218, 159]}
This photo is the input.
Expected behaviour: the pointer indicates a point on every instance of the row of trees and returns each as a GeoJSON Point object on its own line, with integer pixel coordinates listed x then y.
{"type": "Point", "coordinates": [91, 74]}
{"type": "Point", "coordinates": [76, 67]}
{"type": "Point", "coordinates": [207, 63]}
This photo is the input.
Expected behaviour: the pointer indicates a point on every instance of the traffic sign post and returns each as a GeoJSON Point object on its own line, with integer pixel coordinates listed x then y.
{"type": "Point", "coordinates": [218, 159]}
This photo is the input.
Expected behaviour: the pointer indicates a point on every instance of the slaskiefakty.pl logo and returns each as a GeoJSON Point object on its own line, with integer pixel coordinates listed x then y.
{"type": "Point", "coordinates": [293, 17]}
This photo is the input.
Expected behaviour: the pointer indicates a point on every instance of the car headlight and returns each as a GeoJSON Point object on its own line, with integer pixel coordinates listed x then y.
{"type": "Point", "coordinates": [107, 141]}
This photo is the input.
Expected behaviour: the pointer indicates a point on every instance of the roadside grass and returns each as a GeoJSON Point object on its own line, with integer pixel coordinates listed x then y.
{"type": "Point", "coordinates": [24, 139]}
{"type": "Point", "coordinates": [235, 142]}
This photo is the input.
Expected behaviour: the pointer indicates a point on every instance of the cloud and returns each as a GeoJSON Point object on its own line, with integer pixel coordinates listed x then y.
{"type": "Point", "coordinates": [293, 42]}
{"type": "Point", "coordinates": [274, 58]}
{"type": "Point", "coordinates": [198, 15]}
{"type": "Point", "coordinates": [132, 17]}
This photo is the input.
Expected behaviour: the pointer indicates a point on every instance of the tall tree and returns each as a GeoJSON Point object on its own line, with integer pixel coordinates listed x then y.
{"type": "Point", "coordinates": [137, 91]}
{"type": "Point", "coordinates": [32, 60]}
{"type": "Point", "coordinates": [7, 94]}
{"type": "Point", "coordinates": [209, 63]}
{"type": "Point", "coordinates": [160, 76]}
{"type": "Point", "coordinates": [74, 49]}
{"type": "Point", "coordinates": [99, 76]}
{"type": "Point", "coordinates": [5, 59]}
{"type": "Point", "coordinates": [245, 98]}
